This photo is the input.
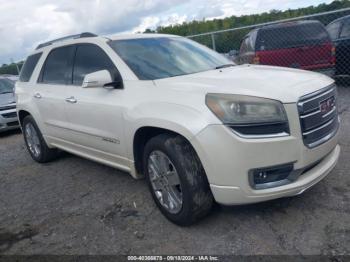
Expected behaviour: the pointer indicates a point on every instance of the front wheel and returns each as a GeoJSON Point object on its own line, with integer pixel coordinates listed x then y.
{"type": "Point", "coordinates": [176, 179]}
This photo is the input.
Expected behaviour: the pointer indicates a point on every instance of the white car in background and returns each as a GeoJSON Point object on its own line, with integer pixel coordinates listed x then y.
{"type": "Point", "coordinates": [195, 125]}
{"type": "Point", "coordinates": [8, 114]}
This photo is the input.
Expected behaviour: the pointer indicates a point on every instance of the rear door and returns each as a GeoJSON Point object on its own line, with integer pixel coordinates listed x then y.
{"type": "Point", "coordinates": [305, 46]}
{"type": "Point", "coordinates": [51, 91]}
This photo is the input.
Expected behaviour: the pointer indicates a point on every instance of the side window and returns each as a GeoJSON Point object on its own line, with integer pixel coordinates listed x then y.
{"type": "Point", "coordinates": [90, 58]}
{"type": "Point", "coordinates": [345, 32]}
{"type": "Point", "coordinates": [253, 37]}
{"type": "Point", "coordinates": [244, 46]}
{"type": "Point", "coordinates": [58, 66]}
{"type": "Point", "coordinates": [247, 44]}
{"type": "Point", "coordinates": [333, 30]}
{"type": "Point", "coordinates": [28, 67]}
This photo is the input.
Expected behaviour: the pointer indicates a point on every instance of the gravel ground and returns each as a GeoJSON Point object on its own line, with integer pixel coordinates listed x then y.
{"type": "Point", "coordinates": [75, 206]}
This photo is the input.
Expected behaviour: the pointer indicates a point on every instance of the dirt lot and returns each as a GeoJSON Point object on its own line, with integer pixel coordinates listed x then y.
{"type": "Point", "coordinates": [74, 206]}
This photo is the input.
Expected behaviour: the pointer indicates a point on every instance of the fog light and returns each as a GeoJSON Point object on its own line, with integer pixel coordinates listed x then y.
{"type": "Point", "coordinates": [271, 177]}
{"type": "Point", "coordinates": [260, 177]}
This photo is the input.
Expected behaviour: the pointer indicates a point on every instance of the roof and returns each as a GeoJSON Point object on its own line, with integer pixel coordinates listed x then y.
{"type": "Point", "coordinates": [73, 38]}
{"type": "Point", "coordinates": [284, 24]}
{"type": "Point", "coordinates": [138, 36]}
{"type": "Point", "coordinates": [340, 19]}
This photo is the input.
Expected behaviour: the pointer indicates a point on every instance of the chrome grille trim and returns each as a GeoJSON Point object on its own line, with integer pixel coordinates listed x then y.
{"type": "Point", "coordinates": [330, 112]}
{"type": "Point", "coordinates": [317, 127]}
{"type": "Point", "coordinates": [9, 115]}
{"type": "Point", "coordinates": [324, 139]}
{"type": "Point", "coordinates": [310, 103]}
{"type": "Point", "coordinates": [311, 114]}
{"type": "Point", "coordinates": [8, 107]}
{"type": "Point", "coordinates": [313, 98]}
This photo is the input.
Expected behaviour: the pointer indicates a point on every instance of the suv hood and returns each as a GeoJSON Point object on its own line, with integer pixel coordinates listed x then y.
{"type": "Point", "coordinates": [284, 84]}
{"type": "Point", "coordinates": [6, 99]}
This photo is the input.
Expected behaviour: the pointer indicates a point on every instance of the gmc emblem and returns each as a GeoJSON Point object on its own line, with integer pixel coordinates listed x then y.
{"type": "Point", "coordinates": [327, 105]}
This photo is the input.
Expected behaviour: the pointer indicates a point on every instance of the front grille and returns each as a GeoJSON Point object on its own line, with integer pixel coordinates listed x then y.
{"type": "Point", "coordinates": [319, 116]}
{"type": "Point", "coordinates": [3, 108]}
{"type": "Point", "coordinates": [15, 123]}
{"type": "Point", "coordinates": [10, 115]}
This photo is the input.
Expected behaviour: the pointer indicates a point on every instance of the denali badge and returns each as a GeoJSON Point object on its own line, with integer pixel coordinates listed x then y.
{"type": "Point", "coordinates": [111, 140]}
{"type": "Point", "coordinates": [327, 105]}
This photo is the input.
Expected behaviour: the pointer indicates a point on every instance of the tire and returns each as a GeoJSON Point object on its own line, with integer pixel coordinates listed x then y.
{"type": "Point", "coordinates": [41, 153]}
{"type": "Point", "coordinates": [197, 199]}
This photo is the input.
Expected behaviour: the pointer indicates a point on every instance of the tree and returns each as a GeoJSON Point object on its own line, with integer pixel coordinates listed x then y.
{"type": "Point", "coordinates": [231, 40]}
{"type": "Point", "coordinates": [149, 31]}
{"type": "Point", "coordinates": [197, 27]}
{"type": "Point", "coordinates": [10, 69]}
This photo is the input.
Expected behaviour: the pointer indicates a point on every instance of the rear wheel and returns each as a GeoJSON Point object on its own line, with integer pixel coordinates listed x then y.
{"type": "Point", "coordinates": [176, 179]}
{"type": "Point", "coordinates": [35, 142]}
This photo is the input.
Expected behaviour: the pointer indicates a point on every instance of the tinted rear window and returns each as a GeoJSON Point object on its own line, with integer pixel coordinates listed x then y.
{"type": "Point", "coordinates": [345, 32]}
{"type": "Point", "coordinates": [28, 67]}
{"type": "Point", "coordinates": [290, 36]}
{"type": "Point", "coordinates": [58, 66]}
{"type": "Point", "coordinates": [333, 30]}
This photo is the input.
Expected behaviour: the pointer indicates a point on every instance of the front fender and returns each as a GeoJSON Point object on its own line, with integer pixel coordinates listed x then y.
{"type": "Point", "coordinates": [180, 119]}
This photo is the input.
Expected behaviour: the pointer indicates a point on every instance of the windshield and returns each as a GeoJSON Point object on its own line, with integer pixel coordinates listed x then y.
{"type": "Point", "coordinates": [156, 58]}
{"type": "Point", "coordinates": [6, 86]}
{"type": "Point", "coordinates": [292, 36]}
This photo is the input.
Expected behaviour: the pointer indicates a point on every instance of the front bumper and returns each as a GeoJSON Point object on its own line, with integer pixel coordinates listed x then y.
{"type": "Point", "coordinates": [228, 159]}
{"type": "Point", "coordinates": [235, 195]}
{"type": "Point", "coordinates": [8, 120]}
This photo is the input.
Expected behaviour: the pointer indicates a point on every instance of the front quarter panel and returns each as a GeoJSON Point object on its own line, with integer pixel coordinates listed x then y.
{"type": "Point", "coordinates": [177, 118]}
{"type": "Point", "coordinates": [152, 106]}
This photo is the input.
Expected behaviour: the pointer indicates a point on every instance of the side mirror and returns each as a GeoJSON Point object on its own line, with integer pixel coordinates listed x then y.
{"type": "Point", "coordinates": [102, 78]}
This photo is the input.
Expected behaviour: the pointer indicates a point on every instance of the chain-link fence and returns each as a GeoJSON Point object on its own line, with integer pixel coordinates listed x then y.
{"type": "Point", "coordinates": [319, 42]}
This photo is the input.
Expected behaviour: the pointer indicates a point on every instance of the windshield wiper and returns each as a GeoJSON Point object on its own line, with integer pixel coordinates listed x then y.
{"type": "Point", "coordinates": [224, 66]}
{"type": "Point", "coordinates": [7, 92]}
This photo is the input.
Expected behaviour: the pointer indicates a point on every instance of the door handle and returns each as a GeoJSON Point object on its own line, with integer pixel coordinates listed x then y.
{"type": "Point", "coordinates": [37, 95]}
{"type": "Point", "coordinates": [71, 100]}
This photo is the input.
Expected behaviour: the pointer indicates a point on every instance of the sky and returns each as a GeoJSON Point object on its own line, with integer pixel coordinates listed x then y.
{"type": "Point", "coordinates": [26, 23]}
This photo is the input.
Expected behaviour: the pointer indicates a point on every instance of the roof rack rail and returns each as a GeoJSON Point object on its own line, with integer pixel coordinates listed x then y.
{"type": "Point", "coordinates": [82, 35]}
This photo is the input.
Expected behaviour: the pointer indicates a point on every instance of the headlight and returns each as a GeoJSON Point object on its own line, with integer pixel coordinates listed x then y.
{"type": "Point", "coordinates": [249, 115]}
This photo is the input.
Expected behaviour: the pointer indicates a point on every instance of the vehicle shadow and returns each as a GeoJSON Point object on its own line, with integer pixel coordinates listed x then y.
{"type": "Point", "coordinates": [280, 206]}
{"type": "Point", "coordinates": [10, 133]}
{"type": "Point", "coordinates": [276, 205]}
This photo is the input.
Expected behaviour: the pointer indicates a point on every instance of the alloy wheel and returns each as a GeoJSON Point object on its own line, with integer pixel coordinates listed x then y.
{"type": "Point", "coordinates": [32, 139]}
{"type": "Point", "coordinates": [165, 181]}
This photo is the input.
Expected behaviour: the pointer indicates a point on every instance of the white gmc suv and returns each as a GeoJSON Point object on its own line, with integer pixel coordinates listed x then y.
{"type": "Point", "coordinates": [198, 127]}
